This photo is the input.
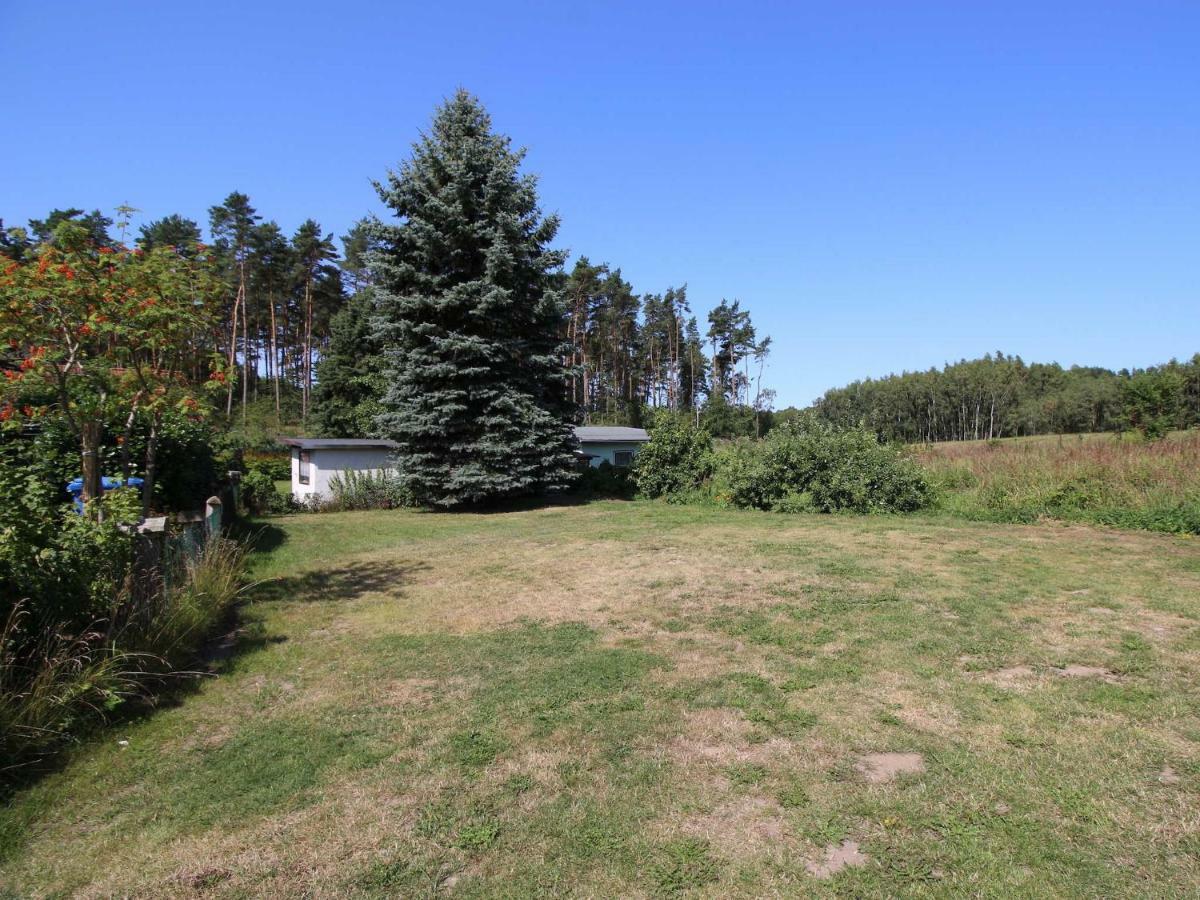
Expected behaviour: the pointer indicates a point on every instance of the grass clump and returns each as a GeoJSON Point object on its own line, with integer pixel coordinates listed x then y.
{"type": "Point", "coordinates": [56, 680]}
{"type": "Point", "coordinates": [681, 866]}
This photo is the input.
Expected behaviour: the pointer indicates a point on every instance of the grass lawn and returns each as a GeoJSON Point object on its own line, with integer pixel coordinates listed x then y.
{"type": "Point", "coordinates": [630, 699]}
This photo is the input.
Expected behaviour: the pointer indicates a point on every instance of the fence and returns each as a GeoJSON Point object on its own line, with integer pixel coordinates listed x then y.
{"type": "Point", "coordinates": [164, 545]}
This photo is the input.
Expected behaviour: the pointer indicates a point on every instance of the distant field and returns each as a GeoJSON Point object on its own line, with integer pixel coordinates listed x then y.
{"type": "Point", "coordinates": [1101, 478]}
{"type": "Point", "coordinates": [637, 699]}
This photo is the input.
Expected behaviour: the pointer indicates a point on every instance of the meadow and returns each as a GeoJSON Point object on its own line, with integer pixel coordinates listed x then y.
{"type": "Point", "coordinates": [1107, 479]}
{"type": "Point", "coordinates": [640, 699]}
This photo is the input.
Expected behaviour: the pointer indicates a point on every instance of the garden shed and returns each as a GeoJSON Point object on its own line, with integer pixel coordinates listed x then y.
{"type": "Point", "coordinates": [316, 460]}
{"type": "Point", "coordinates": [611, 444]}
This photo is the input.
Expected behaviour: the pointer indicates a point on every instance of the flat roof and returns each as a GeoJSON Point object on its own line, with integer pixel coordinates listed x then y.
{"type": "Point", "coordinates": [610, 434]}
{"type": "Point", "coordinates": [337, 443]}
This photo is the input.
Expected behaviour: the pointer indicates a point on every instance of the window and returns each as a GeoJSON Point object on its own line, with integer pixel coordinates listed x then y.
{"type": "Point", "coordinates": [623, 458]}
{"type": "Point", "coordinates": [305, 466]}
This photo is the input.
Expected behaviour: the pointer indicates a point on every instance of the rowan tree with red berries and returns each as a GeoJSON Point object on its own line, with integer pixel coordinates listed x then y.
{"type": "Point", "coordinates": [91, 333]}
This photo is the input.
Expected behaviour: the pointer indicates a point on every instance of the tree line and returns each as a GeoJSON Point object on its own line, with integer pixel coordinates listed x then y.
{"type": "Point", "coordinates": [297, 335]}
{"type": "Point", "coordinates": [1002, 396]}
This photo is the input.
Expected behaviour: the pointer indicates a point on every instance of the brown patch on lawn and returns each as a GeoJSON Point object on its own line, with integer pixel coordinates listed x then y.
{"type": "Point", "coordinates": [410, 691]}
{"type": "Point", "coordinates": [1078, 671]}
{"type": "Point", "coordinates": [837, 857]}
{"type": "Point", "coordinates": [741, 827]}
{"type": "Point", "coordinates": [719, 737]}
{"type": "Point", "coordinates": [880, 768]}
{"type": "Point", "coordinates": [701, 655]}
{"type": "Point", "coordinates": [915, 708]}
{"type": "Point", "coordinates": [199, 879]}
{"type": "Point", "coordinates": [1168, 776]}
{"type": "Point", "coordinates": [1011, 677]}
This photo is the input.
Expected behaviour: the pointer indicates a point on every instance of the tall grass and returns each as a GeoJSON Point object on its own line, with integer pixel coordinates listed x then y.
{"type": "Point", "coordinates": [55, 687]}
{"type": "Point", "coordinates": [366, 490]}
{"type": "Point", "coordinates": [1107, 479]}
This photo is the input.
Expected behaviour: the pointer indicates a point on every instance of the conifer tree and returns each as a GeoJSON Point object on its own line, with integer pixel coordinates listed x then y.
{"type": "Point", "coordinates": [349, 376]}
{"type": "Point", "coordinates": [470, 320]}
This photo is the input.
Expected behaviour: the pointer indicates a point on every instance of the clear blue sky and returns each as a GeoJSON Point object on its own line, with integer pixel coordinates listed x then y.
{"type": "Point", "coordinates": [887, 185]}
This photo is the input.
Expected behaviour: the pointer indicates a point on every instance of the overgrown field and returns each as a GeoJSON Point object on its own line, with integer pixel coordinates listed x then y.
{"type": "Point", "coordinates": [1100, 478]}
{"type": "Point", "coordinates": [639, 699]}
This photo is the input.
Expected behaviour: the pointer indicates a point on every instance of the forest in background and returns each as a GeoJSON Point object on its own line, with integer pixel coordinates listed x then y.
{"type": "Point", "coordinates": [1002, 396]}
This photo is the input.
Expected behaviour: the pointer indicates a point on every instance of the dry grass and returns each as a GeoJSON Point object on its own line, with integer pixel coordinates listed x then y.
{"type": "Point", "coordinates": [1110, 479]}
{"type": "Point", "coordinates": [634, 699]}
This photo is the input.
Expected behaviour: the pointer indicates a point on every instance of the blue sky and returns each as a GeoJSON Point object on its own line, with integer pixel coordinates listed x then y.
{"type": "Point", "coordinates": [886, 185]}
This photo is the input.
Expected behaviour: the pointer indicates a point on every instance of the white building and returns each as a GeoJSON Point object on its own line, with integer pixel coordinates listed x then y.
{"type": "Point", "coordinates": [610, 444]}
{"type": "Point", "coordinates": [316, 460]}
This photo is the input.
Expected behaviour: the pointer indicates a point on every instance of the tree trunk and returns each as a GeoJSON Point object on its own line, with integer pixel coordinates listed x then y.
{"type": "Point", "coordinates": [307, 373]}
{"type": "Point", "coordinates": [89, 453]}
{"type": "Point", "coordinates": [151, 464]}
{"type": "Point", "coordinates": [127, 436]}
{"type": "Point", "coordinates": [245, 346]}
{"type": "Point", "coordinates": [275, 358]}
{"type": "Point", "coordinates": [237, 300]}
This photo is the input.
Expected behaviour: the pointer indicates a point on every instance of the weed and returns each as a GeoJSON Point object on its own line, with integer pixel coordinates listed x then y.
{"type": "Point", "coordinates": [683, 865]}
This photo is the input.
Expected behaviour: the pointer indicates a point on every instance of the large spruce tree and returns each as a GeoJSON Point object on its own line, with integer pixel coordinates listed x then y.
{"type": "Point", "coordinates": [469, 319]}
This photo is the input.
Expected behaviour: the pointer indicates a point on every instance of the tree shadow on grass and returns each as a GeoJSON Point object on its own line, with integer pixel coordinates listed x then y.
{"type": "Point", "coordinates": [258, 536]}
{"type": "Point", "coordinates": [333, 585]}
{"type": "Point", "coordinates": [540, 501]}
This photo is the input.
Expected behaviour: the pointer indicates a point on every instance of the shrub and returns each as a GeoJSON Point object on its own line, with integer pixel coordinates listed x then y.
{"type": "Point", "coordinates": [605, 480]}
{"type": "Point", "coordinates": [260, 496]}
{"type": "Point", "coordinates": [809, 465]}
{"type": "Point", "coordinates": [676, 459]}
{"type": "Point", "coordinates": [367, 490]}
{"type": "Point", "coordinates": [276, 466]}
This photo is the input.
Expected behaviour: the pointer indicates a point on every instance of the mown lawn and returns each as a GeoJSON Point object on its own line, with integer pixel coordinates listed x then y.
{"type": "Point", "coordinates": [632, 699]}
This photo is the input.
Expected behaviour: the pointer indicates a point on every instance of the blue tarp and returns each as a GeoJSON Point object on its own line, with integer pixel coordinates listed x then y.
{"type": "Point", "coordinates": [75, 488]}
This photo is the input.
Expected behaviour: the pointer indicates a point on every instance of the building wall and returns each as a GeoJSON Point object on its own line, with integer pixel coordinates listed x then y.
{"type": "Point", "coordinates": [331, 461]}
{"type": "Point", "coordinates": [607, 452]}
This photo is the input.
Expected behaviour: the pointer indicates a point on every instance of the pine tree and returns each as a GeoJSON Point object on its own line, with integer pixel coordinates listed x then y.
{"type": "Point", "coordinates": [171, 231]}
{"type": "Point", "coordinates": [350, 375]}
{"type": "Point", "coordinates": [477, 387]}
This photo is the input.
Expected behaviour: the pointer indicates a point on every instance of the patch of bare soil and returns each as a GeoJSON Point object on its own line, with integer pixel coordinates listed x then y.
{"type": "Point", "coordinates": [1077, 671]}
{"type": "Point", "coordinates": [837, 857]}
{"type": "Point", "coordinates": [880, 768]}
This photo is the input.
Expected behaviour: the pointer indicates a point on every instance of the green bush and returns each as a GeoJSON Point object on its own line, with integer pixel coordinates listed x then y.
{"type": "Point", "coordinates": [808, 465]}
{"type": "Point", "coordinates": [277, 466]}
{"type": "Point", "coordinates": [260, 496]}
{"type": "Point", "coordinates": [677, 459]}
{"type": "Point", "coordinates": [605, 480]}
